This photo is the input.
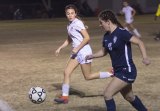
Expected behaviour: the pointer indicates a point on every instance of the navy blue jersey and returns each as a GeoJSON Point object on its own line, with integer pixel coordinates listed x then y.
{"type": "Point", "coordinates": [117, 44]}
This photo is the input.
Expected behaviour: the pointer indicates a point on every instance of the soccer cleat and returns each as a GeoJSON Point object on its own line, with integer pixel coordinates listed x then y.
{"type": "Point", "coordinates": [62, 100]}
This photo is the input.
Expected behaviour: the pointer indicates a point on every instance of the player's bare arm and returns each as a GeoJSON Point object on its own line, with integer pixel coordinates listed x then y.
{"type": "Point", "coordinates": [138, 42]}
{"type": "Point", "coordinates": [101, 53]}
{"type": "Point", "coordinates": [133, 12]}
{"type": "Point", "coordinates": [84, 42]}
{"type": "Point", "coordinates": [65, 44]}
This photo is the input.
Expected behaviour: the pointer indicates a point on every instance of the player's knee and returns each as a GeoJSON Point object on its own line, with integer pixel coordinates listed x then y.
{"type": "Point", "coordinates": [66, 73]}
{"type": "Point", "coordinates": [108, 95]}
{"type": "Point", "coordinates": [87, 78]}
{"type": "Point", "coordinates": [129, 98]}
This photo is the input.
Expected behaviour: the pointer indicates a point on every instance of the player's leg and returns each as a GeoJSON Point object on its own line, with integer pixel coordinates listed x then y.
{"type": "Point", "coordinates": [114, 87]}
{"type": "Point", "coordinates": [126, 27]}
{"type": "Point", "coordinates": [71, 65]}
{"type": "Point", "coordinates": [127, 24]}
{"type": "Point", "coordinates": [134, 30]}
{"type": "Point", "coordinates": [86, 65]}
{"type": "Point", "coordinates": [127, 93]}
{"type": "Point", "coordinates": [155, 17]}
{"type": "Point", "coordinates": [158, 13]}
{"type": "Point", "coordinates": [86, 70]}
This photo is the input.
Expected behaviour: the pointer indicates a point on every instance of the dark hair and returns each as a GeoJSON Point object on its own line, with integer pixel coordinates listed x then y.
{"type": "Point", "coordinates": [125, 1]}
{"type": "Point", "coordinates": [109, 15]}
{"type": "Point", "coordinates": [71, 6]}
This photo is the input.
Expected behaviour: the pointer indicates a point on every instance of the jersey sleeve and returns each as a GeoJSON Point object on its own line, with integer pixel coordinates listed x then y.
{"type": "Point", "coordinates": [126, 36]}
{"type": "Point", "coordinates": [130, 8]}
{"type": "Point", "coordinates": [79, 26]}
{"type": "Point", "coordinates": [123, 10]}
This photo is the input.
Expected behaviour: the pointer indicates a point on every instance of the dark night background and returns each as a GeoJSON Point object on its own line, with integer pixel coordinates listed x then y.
{"type": "Point", "coordinates": [32, 8]}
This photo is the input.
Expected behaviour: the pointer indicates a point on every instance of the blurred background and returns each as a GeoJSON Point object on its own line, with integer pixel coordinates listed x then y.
{"type": "Point", "coordinates": [29, 9]}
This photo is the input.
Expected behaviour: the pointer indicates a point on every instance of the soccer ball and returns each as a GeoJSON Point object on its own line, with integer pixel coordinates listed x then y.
{"type": "Point", "coordinates": [37, 95]}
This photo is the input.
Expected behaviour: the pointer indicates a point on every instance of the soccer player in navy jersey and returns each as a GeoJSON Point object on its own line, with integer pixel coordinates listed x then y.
{"type": "Point", "coordinates": [117, 42]}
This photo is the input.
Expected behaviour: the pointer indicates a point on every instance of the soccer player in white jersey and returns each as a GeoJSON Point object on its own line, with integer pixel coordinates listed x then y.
{"type": "Point", "coordinates": [79, 37]}
{"type": "Point", "coordinates": [129, 14]}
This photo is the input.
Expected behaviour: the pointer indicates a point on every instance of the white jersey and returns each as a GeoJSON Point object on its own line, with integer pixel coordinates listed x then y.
{"type": "Point", "coordinates": [74, 29]}
{"type": "Point", "coordinates": [128, 14]}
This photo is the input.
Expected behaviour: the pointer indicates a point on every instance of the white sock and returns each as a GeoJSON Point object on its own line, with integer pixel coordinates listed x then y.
{"type": "Point", "coordinates": [103, 75]}
{"type": "Point", "coordinates": [65, 89]}
{"type": "Point", "coordinates": [136, 33]}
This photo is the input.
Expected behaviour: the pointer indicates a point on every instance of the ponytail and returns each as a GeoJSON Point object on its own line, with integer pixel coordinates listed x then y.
{"type": "Point", "coordinates": [109, 15]}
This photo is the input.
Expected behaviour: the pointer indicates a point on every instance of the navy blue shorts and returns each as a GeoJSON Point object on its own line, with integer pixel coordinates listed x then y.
{"type": "Point", "coordinates": [126, 74]}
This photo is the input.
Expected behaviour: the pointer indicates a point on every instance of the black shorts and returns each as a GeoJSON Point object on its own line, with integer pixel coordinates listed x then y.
{"type": "Point", "coordinates": [126, 74]}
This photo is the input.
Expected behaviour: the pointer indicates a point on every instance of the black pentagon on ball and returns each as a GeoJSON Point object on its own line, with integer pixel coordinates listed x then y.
{"type": "Point", "coordinates": [34, 101]}
{"type": "Point", "coordinates": [39, 94]}
{"type": "Point", "coordinates": [30, 96]}
{"type": "Point", "coordinates": [40, 100]}
{"type": "Point", "coordinates": [34, 91]}
{"type": "Point", "coordinates": [43, 91]}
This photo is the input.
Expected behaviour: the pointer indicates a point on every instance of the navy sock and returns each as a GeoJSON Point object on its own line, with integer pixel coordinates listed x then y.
{"type": "Point", "coordinates": [110, 104]}
{"type": "Point", "coordinates": [138, 104]}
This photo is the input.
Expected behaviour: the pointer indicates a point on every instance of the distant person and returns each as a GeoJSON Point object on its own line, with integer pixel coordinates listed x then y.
{"type": "Point", "coordinates": [79, 38]}
{"type": "Point", "coordinates": [157, 12]}
{"type": "Point", "coordinates": [157, 38]}
{"type": "Point", "coordinates": [18, 14]}
{"type": "Point", "coordinates": [117, 43]}
{"type": "Point", "coordinates": [155, 18]}
{"type": "Point", "coordinates": [129, 14]}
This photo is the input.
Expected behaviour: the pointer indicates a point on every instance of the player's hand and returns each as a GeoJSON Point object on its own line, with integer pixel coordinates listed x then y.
{"type": "Point", "coordinates": [88, 57]}
{"type": "Point", "coordinates": [73, 56]}
{"type": "Point", "coordinates": [146, 61]}
{"type": "Point", "coordinates": [57, 51]}
{"type": "Point", "coordinates": [74, 51]}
